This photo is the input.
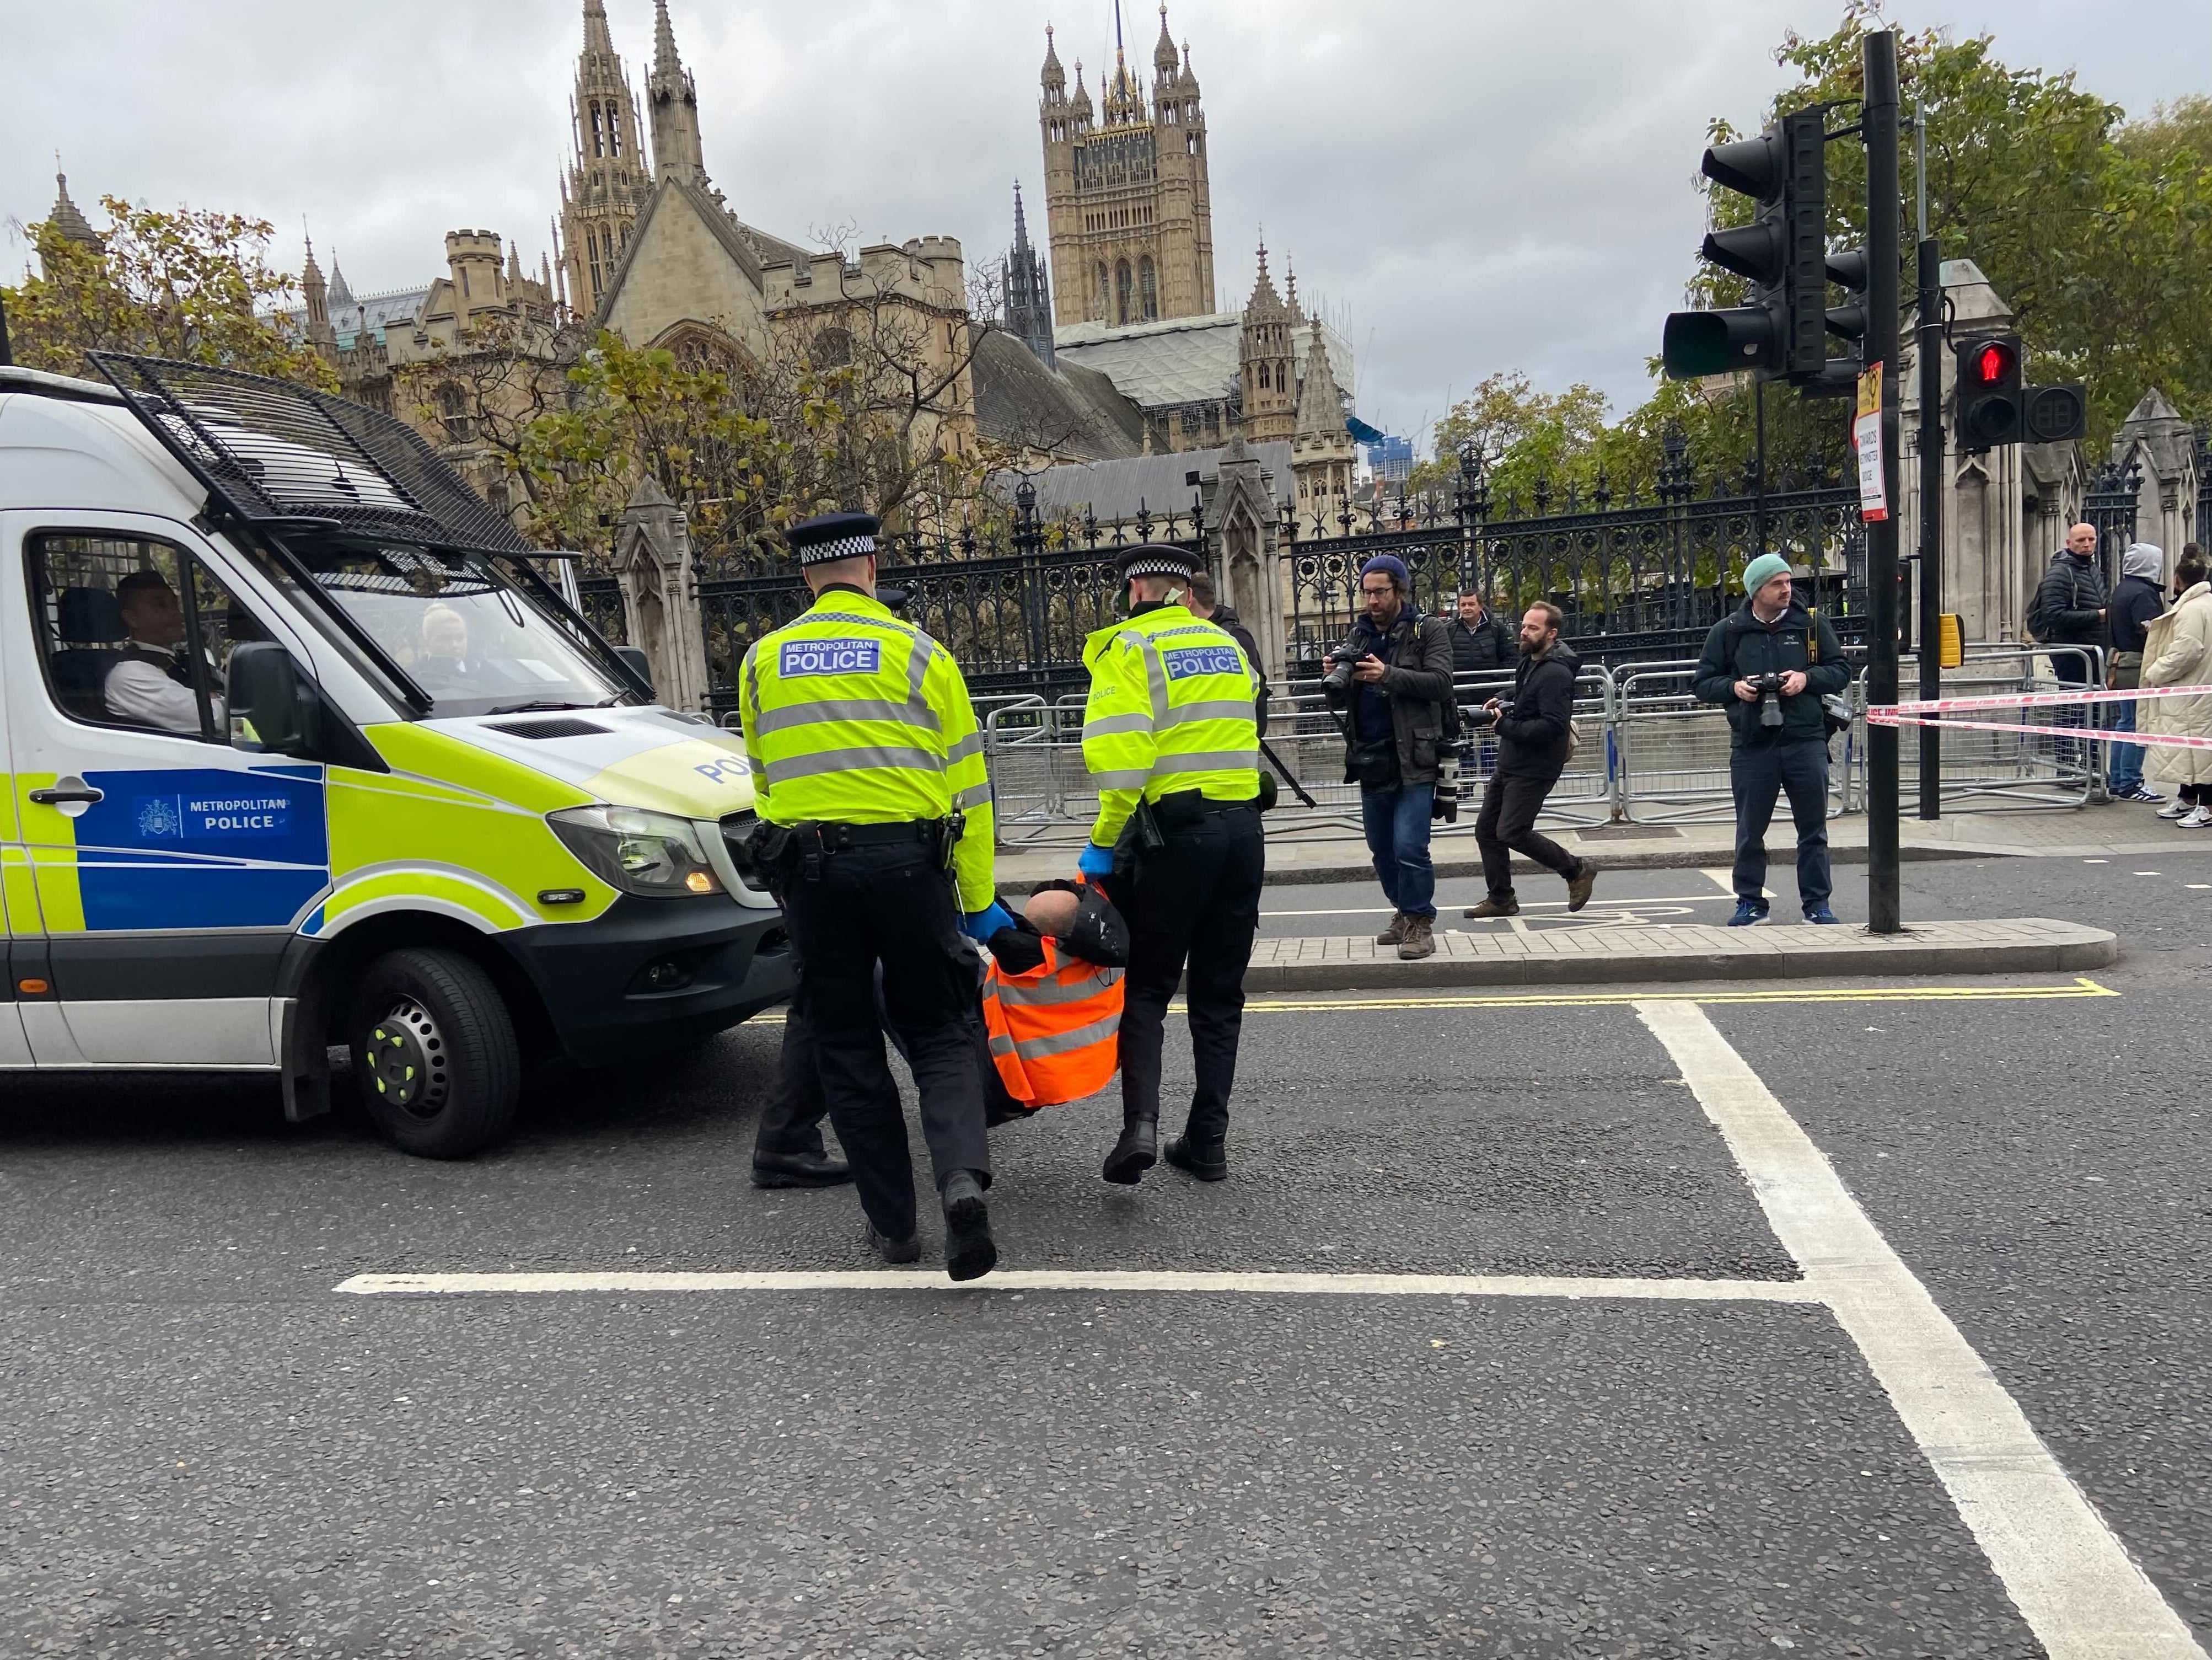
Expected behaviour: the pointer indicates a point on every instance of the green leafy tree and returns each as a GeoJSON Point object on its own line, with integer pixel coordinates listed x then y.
{"type": "Point", "coordinates": [2096, 232]}
{"type": "Point", "coordinates": [194, 285]}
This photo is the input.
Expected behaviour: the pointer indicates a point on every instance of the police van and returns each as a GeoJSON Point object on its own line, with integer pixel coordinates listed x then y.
{"type": "Point", "coordinates": [313, 772]}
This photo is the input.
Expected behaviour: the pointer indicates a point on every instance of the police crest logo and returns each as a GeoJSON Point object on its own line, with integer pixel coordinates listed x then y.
{"type": "Point", "coordinates": [803, 657]}
{"type": "Point", "coordinates": [1186, 661]}
{"type": "Point", "coordinates": [158, 816]}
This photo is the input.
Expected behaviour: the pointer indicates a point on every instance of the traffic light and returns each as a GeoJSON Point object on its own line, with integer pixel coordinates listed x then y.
{"type": "Point", "coordinates": [1990, 412]}
{"type": "Point", "coordinates": [2055, 414]}
{"type": "Point", "coordinates": [1779, 336]}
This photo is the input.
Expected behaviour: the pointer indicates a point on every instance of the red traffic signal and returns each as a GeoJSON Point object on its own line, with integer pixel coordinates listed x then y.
{"type": "Point", "coordinates": [1994, 362]}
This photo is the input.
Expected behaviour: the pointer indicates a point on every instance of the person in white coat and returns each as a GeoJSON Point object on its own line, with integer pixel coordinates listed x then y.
{"type": "Point", "coordinates": [2177, 652]}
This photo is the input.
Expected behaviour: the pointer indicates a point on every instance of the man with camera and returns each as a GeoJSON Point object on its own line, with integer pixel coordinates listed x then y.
{"type": "Point", "coordinates": [1771, 664]}
{"type": "Point", "coordinates": [1393, 675]}
{"type": "Point", "coordinates": [1535, 738]}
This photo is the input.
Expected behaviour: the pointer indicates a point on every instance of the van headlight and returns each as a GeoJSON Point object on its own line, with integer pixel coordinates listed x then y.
{"type": "Point", "coordinates": [653, 854]}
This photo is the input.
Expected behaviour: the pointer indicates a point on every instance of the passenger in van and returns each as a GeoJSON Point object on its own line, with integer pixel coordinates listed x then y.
{"type": "Point", "coordinates": [151, 685]}
{"type": "Point", "coordinates": [445, 635]}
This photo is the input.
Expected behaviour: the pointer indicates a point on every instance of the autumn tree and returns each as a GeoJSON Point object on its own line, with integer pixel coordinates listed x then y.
{"type": "Point", "coordinates": [194, 284]}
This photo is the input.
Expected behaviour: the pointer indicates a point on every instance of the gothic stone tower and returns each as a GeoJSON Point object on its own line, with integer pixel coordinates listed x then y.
{"type": "Point", "coordinates": [1129, 211]}
{"type": "Point", "coordinates": [608, 181]}
{"type": "Point", "coordinates": [675, 99]}
{"type": "Point", "coordinates": [1028, 290]}
{"type": "Point", "coordinates": [1267, 361]}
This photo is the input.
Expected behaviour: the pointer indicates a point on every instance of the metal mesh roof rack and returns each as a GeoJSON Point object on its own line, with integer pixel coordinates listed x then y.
{"type": "Point", "coordinates": [274, 454]}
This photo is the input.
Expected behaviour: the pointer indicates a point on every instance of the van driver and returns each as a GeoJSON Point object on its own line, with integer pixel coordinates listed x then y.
{"type": "Point", "coordinates": [152, 684]}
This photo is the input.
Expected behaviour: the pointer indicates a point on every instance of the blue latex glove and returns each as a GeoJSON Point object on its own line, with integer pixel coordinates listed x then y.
{"type": "Point", "coordinates": [982, 924]}
{"type": "Point", "coordinates": [1096, 861]}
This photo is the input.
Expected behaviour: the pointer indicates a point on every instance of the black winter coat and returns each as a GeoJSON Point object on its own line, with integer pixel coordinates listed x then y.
{"type": "Point", "coordinates": [2066, 605]}
{"type": "Point", "coordinates": [1532, 735]}
{"type": "Point", "coordinates": [1741, 648]}
{"type": "Point", "coordinates": [2136, 600]}
{"type": "Point", "coordinates": [1484, 648]}
{"type": "Point", "coordinates": [1418, 686]}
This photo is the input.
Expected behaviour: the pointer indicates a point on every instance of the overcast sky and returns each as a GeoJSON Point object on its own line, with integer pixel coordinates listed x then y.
{"type": "Point", "coordinates": [1472, 185]}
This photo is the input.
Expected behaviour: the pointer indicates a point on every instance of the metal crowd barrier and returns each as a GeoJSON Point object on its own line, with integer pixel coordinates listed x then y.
{"type": "Point", "coordinates": [2008, 772]}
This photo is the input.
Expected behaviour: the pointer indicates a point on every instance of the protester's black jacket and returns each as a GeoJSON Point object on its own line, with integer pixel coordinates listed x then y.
{"type": "Point", "coordinates": [1226, 619]}
{"type": "Point", "coordinates": [1741, 648]}
{"type": "Point", "coordinates": [1532, 735]}
{"type": "Point", "coordinates": [2135, 601]}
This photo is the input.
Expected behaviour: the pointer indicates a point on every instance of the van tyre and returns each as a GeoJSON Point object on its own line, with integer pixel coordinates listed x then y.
{"type": "Point", "coordinates": [439, 1069]}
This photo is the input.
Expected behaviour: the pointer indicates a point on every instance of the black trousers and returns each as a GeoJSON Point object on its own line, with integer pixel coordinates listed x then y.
{"type": "Point", "coordinates": [1759, 774]}
{"type": "Point", "coordinates": [1194, 904]}
{"type": "Point", "coordinates": [892, 906]}
{"type": "Point", "coordinates": [792, 1121]}
{"type": "Point", "coordinates": [1507, 825]}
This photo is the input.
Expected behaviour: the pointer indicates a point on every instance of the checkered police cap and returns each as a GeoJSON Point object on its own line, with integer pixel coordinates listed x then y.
{"type": "Point", "coordinates": [1158, 559]}
{"type": "Point", "coordinates": [831, 536]}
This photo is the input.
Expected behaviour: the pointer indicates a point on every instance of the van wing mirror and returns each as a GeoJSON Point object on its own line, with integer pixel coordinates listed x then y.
{"type": "Point", "coordinates": [271, 709]}
{"type": "Point", "coordinates": [639, 665]}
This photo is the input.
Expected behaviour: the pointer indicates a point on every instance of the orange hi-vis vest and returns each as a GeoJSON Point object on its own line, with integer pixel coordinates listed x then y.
{"type": "Point", "coordinates": [1055, 1030]}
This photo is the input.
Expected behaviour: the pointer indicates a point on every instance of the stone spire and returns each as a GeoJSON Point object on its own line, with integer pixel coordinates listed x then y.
{"type": "Point", "coordinates": [1052, 79]}
{"type": "Point", "coordinates": [320, 335]}
{"type": "Point", "coordinates": [1029, 292]}
{"type": "Point", "coordinates": [1320, 409]}
{"type": "Point", "coordinates": [340, 298]}
{"type": "Point", "coordinates": [1267, 361]}
{"type": "Point", "coordinates": [64, 218]}
{"type": "Point", "coordinates": [1321, 450]}
{"type": "Point", "coordinates": [1164, 54]}
{"type": "Point", "coordinates": [1081, 103]}
{"type": "Point", "coordinates": [607, 182]}
{"type": "Point", "coordinates": [596, 36]}
{"type": "Point", "coordinates": [675, 100]}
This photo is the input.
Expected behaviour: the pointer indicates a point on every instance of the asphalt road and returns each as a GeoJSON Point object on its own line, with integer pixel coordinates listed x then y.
{"type": "Point", "coordinates": [206, 1447]}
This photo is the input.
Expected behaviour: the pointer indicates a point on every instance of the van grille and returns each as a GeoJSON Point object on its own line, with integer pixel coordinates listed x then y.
{"type": "Point", "coordinates": [558, 726]}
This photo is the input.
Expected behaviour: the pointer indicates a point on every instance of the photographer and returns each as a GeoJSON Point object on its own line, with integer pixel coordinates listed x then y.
{"type": "Point", "coordinates": [1771, 664]}
{"type": "Point", "coordinates": [1535, 738]}
{"type": "Point", "coordinates": [1394, 675]}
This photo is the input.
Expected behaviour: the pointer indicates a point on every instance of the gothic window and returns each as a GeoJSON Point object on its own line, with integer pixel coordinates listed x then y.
{"type": "Point", "coordinates": [1122, 296]}
{"type": "Point", "coordinates": [453, 413]}
{"type": "Point", "coordinates": [1264, 381]}
{"type": "Point", "coordinates": [1171, 114]}
{"type": "Point", "coordinates": [591, 244]}
{"type": "Point", "coordinates": [598, 132]}
{"type": "Point", "coordinates": [1190, 142]}
{"type": "Point", "coordinates": [831, 348]}
{"type": "Point", "coordinates": [614, 132]}
{"type": "Point", "coordinates": [1148, 286]}
{"type": "Point", "coordinates": [1104, 296]}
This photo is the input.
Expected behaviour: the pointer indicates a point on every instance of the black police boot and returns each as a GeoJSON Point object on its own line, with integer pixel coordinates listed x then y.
{"type": "Point", "coordinates": [894, 1250]}
{"type": "Point", "coordinates": [969, 1251]}
{"type": "Point", "coordinates": [1207, 1160]}
{"type": "Point", "coordinates": [798, 1169]}
{"type": "Point", "coordinates": [1137, 1152]}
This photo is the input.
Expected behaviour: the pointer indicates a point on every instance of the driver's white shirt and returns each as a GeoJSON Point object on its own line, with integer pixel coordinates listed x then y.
{"type": "Point", "coordinates": [140, 693]}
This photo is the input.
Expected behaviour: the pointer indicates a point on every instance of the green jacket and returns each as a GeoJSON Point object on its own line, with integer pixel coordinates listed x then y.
{"type": "Point", "coordinates": [1741, 648]}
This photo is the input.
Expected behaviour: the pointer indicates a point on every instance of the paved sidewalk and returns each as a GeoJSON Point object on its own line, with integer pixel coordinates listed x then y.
{"type": "Point", "coordinates": [2116, 830]}
{"type": "Point", "coordinates": [1691, 951]}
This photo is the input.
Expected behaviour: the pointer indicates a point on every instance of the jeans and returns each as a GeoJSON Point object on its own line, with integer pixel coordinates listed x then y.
{"type": "Point", "coordinates": [2127, 759]}
{"type": "Point", "coordinates": [1758, 774]}
{"type": "Point", "coordinates": [1397, 821]}
{"type": "Point", "coordinates": [1193, 907]}
{"type": "Point", "coordinates": [1507, 825]}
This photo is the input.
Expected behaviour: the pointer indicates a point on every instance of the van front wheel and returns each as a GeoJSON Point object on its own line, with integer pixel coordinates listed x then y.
{"type": "Point", "coordinates": [435, 1052]}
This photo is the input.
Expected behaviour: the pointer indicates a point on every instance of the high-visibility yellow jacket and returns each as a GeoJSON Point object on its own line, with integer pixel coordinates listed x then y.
{"type": "Point", "coordinates": [1170, 708]}
{"type": "Point", "coordinates": [852, 717]}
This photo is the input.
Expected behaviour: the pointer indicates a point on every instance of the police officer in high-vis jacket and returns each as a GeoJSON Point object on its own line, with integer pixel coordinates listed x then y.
{"type": "Point", "coordinates": [875, 827]}
{"type": "Point", "coordinates": [1169, 738]}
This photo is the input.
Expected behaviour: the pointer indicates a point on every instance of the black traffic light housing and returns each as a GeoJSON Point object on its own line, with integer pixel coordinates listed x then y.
{"type": "Point", "coordinates": [1990, 411]}
{"type": "Point", "coordinates": [2055, 414]}
{"type": "Point", "coordinates": [1780, 335]}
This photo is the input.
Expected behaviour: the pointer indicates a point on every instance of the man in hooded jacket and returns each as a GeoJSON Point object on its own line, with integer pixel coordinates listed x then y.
{"type": "Point", "coordinates": [1535, 732]}
{"type": "Point", "coordinates": [2137, 598]}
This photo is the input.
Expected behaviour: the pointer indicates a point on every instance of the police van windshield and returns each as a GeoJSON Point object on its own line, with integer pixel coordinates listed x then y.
{"type": "Point", "coordinates": [471, 639]}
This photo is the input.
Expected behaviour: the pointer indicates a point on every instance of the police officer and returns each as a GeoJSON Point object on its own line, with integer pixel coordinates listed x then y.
{"type": "Point", "coordinates": [1169, 738]}
{"type": "Point", "coordinates": [876, 821]}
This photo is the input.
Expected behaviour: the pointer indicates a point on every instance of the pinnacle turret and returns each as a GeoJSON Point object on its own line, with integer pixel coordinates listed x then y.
{"type": "Point", "coordinates": [675, 100]}
{"type": "Point", "coordinates": [1164, 54]}
{"type": "Point", "coordinates": [64, 218]}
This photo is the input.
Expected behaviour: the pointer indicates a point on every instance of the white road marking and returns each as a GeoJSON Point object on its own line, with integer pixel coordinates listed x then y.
{"type": "Point", "coordinates": [2068, 1574]}
{"type": "Point", "coordinates": [1106, 1280]}
{"type": "Point", "coordinates": [1722, 879]}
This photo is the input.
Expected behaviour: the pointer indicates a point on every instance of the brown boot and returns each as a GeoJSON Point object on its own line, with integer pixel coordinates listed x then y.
{"type": "Point", "coordinates": [1420, 940]}
{"type": "Point", "coordinates": [1494, 907]}
{"type": "Point", "coordinates": [1580, 884]}
{"type": "Point", "coordinates": [1394, 933]}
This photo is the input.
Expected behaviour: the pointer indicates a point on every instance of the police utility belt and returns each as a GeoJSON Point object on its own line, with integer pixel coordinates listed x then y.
{"type": "Point", "coordinates": [782, 849]}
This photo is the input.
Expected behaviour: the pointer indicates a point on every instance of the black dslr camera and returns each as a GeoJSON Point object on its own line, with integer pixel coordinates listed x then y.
{"type": "Point", "coordinates": [1340, 664]}
{"type": "Point", "coordinates": [1769, 688]}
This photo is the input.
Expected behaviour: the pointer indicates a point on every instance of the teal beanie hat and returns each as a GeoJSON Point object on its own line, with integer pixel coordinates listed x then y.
{"type": "Point", "coordinates": [1764, 569]}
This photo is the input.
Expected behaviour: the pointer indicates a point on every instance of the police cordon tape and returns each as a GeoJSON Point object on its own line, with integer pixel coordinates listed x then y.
{"type": "Point", "coordinates": [1935, 712]}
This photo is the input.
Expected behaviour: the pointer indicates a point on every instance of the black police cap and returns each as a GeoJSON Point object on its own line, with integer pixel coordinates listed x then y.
{"type": "Point", "coordinates": [828, 536]}
{"type": "Point", "coordinates": [1158, 559]}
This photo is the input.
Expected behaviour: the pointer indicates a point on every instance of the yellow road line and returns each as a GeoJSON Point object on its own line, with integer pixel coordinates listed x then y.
{"type": "Point", "coordinates": [2080, 987]}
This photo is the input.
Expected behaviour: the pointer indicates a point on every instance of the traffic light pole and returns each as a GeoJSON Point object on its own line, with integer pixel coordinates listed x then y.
{"type": "Point", "coordinates": [1880, 117]}
{"type": "Point", "coordinates": [1929, 347]}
